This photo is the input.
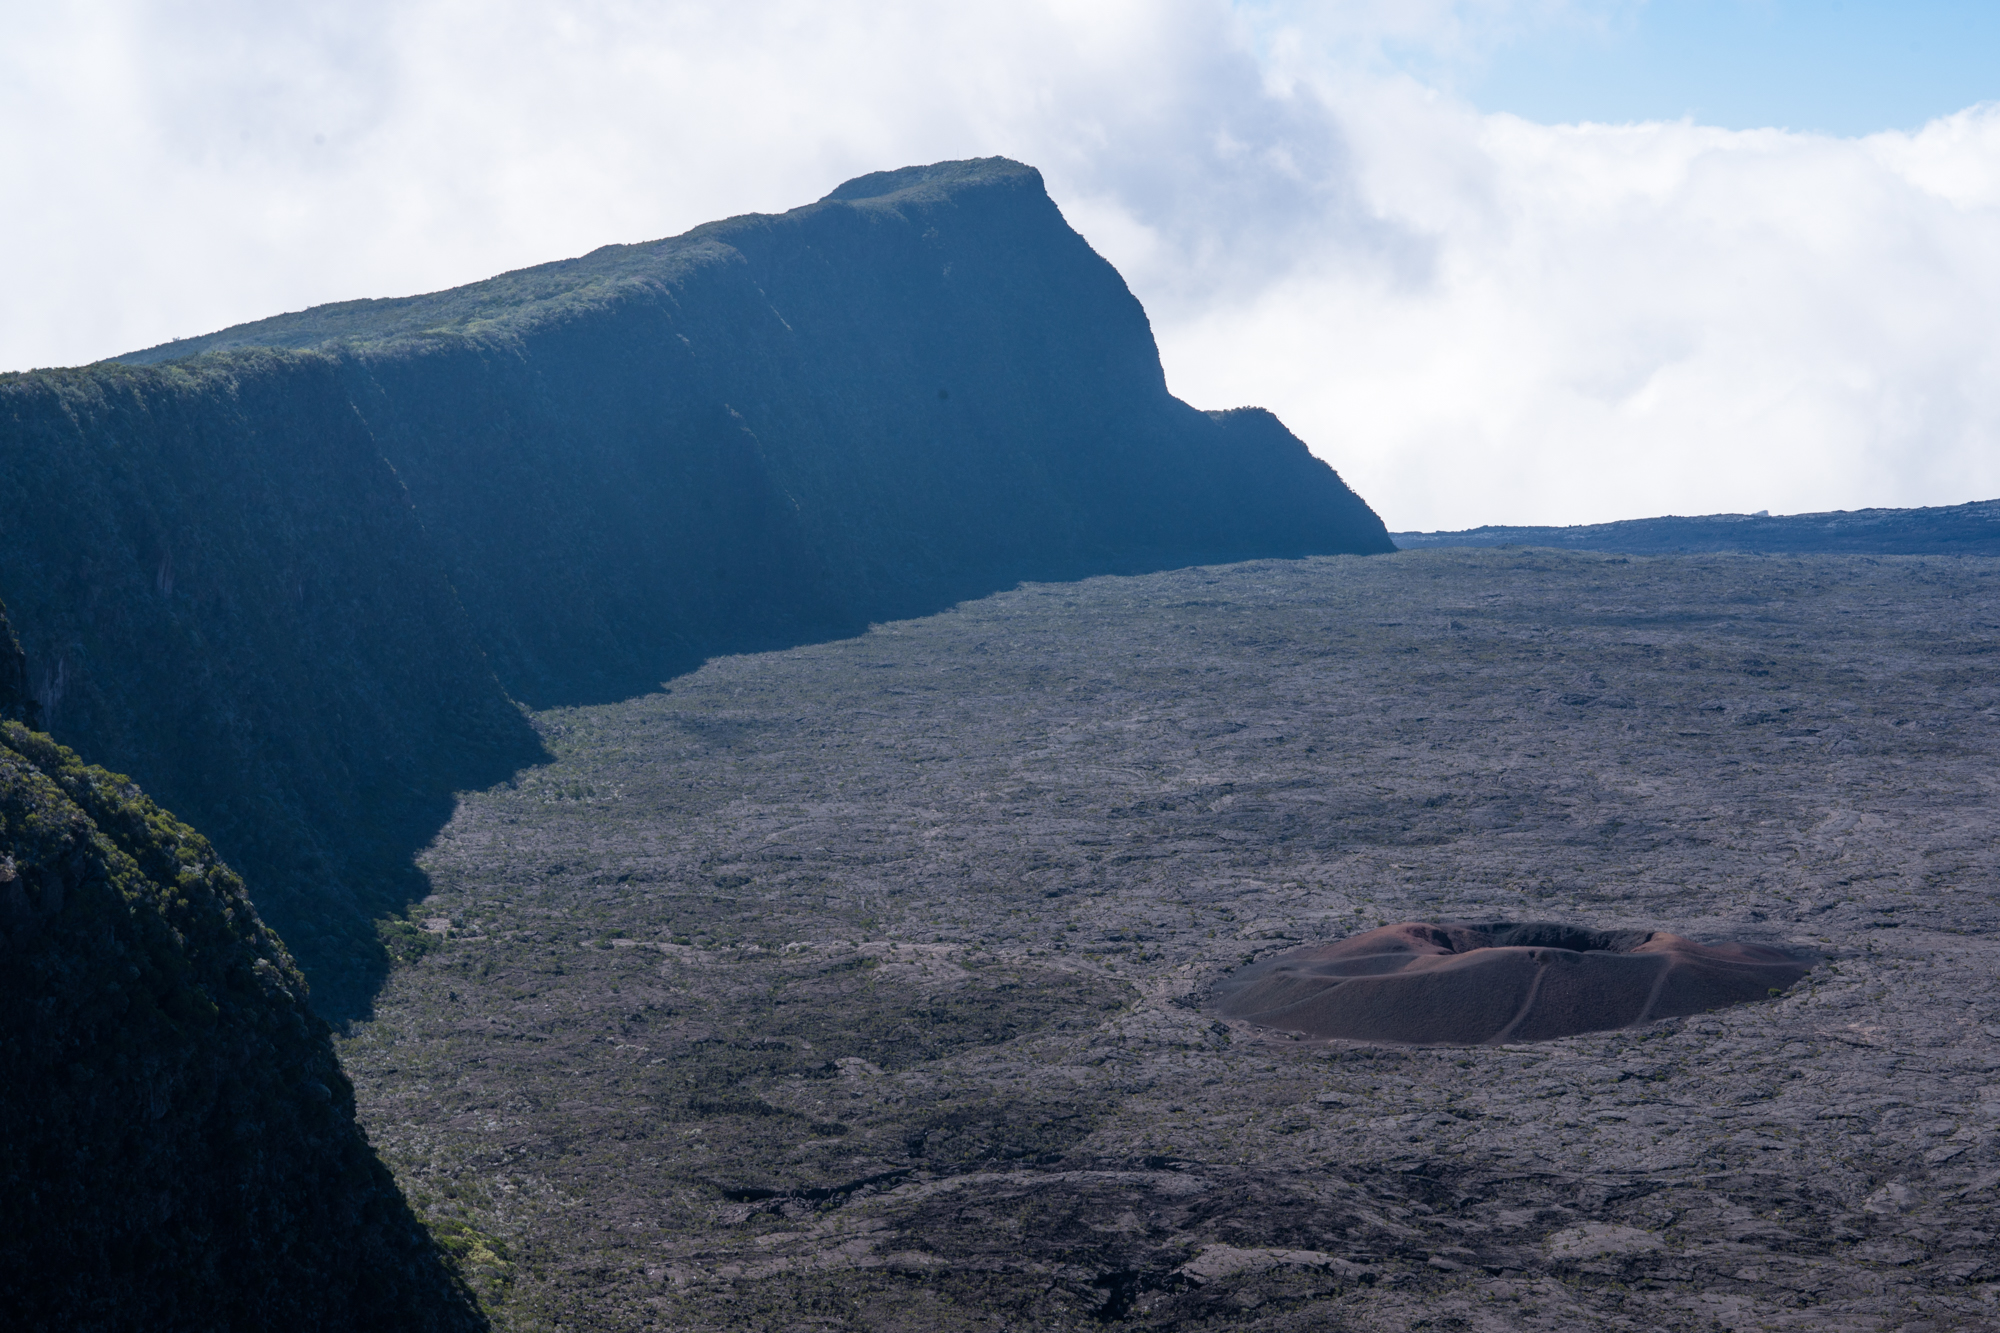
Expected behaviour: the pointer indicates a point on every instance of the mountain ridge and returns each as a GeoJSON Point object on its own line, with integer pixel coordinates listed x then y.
{"type": "Point", "coordinates": [519, 297]}
{"type": "Point", "coordinates": [182, 1148]}
{"type": "Point", "coordinates": [297, 574]}
{"type": "Point", "coordinates": [1966, 529]}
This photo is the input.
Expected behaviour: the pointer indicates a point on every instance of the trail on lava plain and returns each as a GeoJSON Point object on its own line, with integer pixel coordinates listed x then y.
{"type": "Point", "coordinates": [860, 985]}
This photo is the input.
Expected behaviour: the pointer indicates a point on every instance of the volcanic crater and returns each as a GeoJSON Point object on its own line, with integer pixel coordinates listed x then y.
{"type": "Point", "coordinates": [1464, 984]}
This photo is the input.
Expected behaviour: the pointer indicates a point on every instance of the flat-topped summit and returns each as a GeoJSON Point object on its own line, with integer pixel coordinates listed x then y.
{"type": "Point", "coordinates": [514, 301]}
{"type": "Point", "coordinates": [940, 177]}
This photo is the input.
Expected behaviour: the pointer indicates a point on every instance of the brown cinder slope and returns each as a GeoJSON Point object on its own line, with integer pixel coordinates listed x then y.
{"type": "Point", "coordinates": [1468, 984]}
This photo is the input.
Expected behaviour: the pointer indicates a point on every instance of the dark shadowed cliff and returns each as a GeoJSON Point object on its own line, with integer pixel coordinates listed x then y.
{"type": "Point", "coordinates": [181, 1150]}
{"type": "Point", "coordinates": [290, 574]}
{"type": "Point", "coordinates": [923, 387]}
{"type": "Point", "coordinates": [223, 590]}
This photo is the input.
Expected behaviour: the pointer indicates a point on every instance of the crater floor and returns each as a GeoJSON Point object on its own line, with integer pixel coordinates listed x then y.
{"type": "Point", "coordinates": [846, 987]}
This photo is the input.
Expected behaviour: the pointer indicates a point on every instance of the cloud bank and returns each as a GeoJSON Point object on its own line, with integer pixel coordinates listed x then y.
{"type": "Point", "coordinates": [1476, 318]}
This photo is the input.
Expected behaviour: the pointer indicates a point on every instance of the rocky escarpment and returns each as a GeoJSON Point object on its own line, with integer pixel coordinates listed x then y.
{"type": "Point", "coordinates": [181, 1147]}
{"type": "Point", "coordinates": [291, 575]}
{"type": "Point", "coordinates": [224, 591]}
{"type": "Point", "coordinates": [923, 387]}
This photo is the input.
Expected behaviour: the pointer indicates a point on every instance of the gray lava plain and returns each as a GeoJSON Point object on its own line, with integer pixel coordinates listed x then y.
{"type": "Point", "coordinates": [858, 986]}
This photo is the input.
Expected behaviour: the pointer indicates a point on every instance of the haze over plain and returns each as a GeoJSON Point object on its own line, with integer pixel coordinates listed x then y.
{"type": "Point", "coordinates": [1631, 297]}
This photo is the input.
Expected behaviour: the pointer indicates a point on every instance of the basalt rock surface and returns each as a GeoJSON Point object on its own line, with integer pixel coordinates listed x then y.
{"type": "Point", "coordinates": [292, 575]}
{"type": "Point", "coordinates": [1463, 984]}
{"type": "Point", "coordinates": [862, 985]}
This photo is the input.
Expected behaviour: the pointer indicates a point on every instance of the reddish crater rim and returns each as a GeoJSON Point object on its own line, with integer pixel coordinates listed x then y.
{"type": "Point", "coordinates": [1464, 984]}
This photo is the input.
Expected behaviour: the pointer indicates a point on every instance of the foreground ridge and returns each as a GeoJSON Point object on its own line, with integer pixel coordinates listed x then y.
{"type": "Point", "coordinates": [181, 1145]}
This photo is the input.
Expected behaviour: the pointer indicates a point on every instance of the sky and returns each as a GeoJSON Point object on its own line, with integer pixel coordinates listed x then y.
{"type": "Point", "coordinates": [1498, 261]}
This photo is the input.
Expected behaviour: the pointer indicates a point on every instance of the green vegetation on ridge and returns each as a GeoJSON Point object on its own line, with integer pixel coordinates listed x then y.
{"type": "Point", "coordinates": [181, 1147]}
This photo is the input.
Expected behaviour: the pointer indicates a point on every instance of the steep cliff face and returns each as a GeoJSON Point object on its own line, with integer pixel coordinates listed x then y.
{"type": "Point", "coordinates": [224, 590]}
{"type": "Point", "coordinates": [180, 1144]}
{"type": "Point", "coordinates": [17, 701]}
{"type": "Point", "coordinates": [289, 573]}
{"type": "Point", "coordinates": [921, 388]}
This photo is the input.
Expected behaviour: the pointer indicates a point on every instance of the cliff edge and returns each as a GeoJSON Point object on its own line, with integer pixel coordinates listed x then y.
{"type": "Point", "coordinates": [294, 575]}
{"type": "Point", "coordinates": [181, 1147]}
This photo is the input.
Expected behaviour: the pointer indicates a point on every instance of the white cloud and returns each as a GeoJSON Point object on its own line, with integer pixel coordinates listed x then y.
{"type": "Point", "coordinates": [1641, 319]}
{"type": "Point", "coordinates": [1474, 317]}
